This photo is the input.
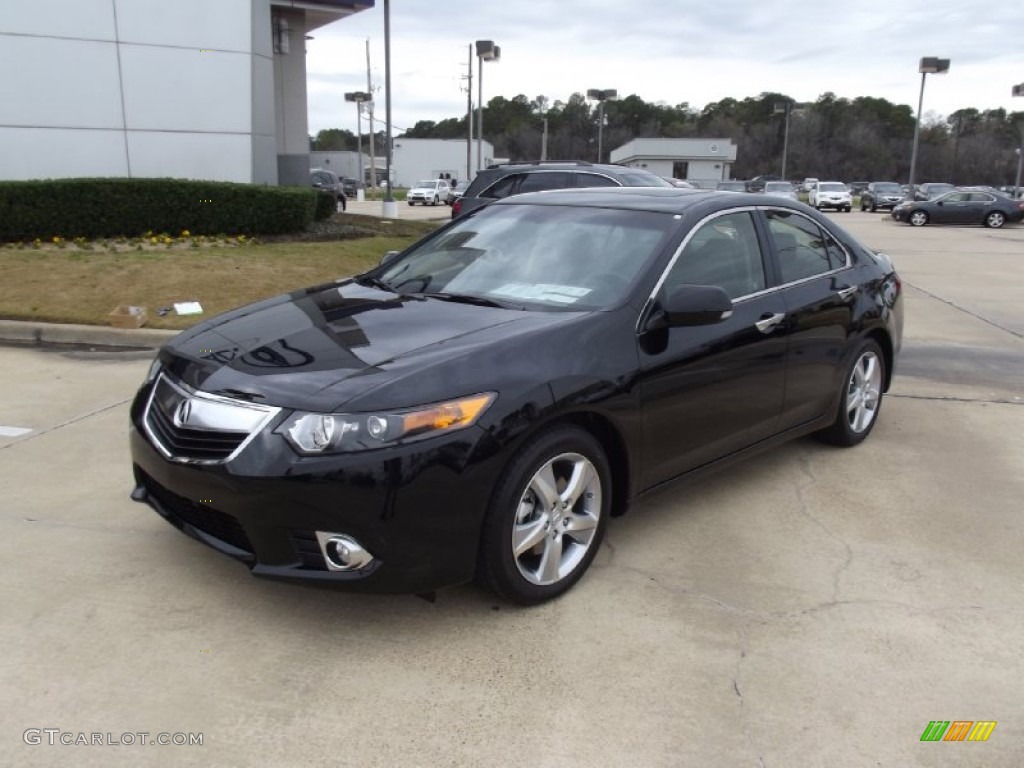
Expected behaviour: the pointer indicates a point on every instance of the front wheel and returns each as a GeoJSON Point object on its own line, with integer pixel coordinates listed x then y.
{"type": "Point", "coordinates": [995, 219]}
{"type": "Point", "coordinates": [435, 201]}
{"type": "Point", "coordinates": [860, 399]}
{"type": "Point", "coordinates": [918, 218]}
{"type": "Point", "coordinates": [547, 517]}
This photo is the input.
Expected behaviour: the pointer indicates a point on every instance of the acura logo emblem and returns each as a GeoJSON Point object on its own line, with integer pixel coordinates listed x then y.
{"type": "Point", "coordinates": [183, 412]}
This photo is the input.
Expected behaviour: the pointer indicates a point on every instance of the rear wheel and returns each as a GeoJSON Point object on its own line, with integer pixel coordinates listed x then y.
{"type": "Point", "coordinates": [995, 219]}
{"type": "Point", "coordinates": [860, 399]}
{"type": "Point", "coordinates": [547, 517]}
{"type": "Point", "coordinates": [917, 218]}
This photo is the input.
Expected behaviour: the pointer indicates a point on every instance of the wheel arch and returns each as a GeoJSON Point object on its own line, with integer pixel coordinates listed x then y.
{"type": "Point", "coordinates": [881, 338]}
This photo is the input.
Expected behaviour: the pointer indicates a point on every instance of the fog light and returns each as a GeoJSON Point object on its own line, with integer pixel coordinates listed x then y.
{"type": "Point", "coordinates": [342, 553]}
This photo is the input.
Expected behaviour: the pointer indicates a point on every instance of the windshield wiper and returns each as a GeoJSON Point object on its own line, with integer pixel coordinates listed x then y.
{"type": "Point", "coordinates": [374, 282]}
{"type": "Point", "coordinates": [480, 301]}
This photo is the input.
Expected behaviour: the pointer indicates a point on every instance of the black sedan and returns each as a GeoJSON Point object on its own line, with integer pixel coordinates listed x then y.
{"type": "Point", "coordinates": [961, 207]}
{"type": "Point", "coordinates": [482, 403]}
{"type": "Point", "coordinates": [881, 195]}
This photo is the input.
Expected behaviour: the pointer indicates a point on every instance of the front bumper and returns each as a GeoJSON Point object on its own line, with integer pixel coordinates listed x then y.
{"type": "Point", "coordinates": [416, 508]}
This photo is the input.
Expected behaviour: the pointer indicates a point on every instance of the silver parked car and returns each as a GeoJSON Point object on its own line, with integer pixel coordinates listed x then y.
{"type": "Point", "coordinates": [780, 189]}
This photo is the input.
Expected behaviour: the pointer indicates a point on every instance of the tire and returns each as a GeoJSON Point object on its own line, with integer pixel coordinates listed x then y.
{"type": "Point", "coordinates": [874, 206]}
{"type": "Point", "coordinates": [917, 218]}
{"type": "Point", "coordinates": [847, 209]}
{"type": "Point", "coordinates": [995, 219]}
{"type": "Point", "coordinates": [863, 206]}
{"type": "Point", "coordinates": [435, 200]}
{"type": "Point", "coordinates": [860, 399]}
{"type": "Point", "coordinates": [410, 202]}
{"type": "Point", "coordinates": [342, 204]}
{"type": "Point", "coordinates": [528, 509]}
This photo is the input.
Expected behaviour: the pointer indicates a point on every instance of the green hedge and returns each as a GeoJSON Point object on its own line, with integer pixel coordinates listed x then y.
{"type": "Point", "coordinates": [131, 207]}
{"type": "Point", "coordinates": [326, 206]}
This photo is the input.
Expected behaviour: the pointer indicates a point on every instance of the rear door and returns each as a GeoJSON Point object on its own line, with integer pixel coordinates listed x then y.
{"type": "Point", "coordinates": [818, 287]}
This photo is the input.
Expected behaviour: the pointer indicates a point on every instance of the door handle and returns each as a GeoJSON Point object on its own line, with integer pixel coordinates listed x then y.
{"type": "Point", "coordinates": [845, 293]}
{"type": "Point", "coordinates": [768, 322]}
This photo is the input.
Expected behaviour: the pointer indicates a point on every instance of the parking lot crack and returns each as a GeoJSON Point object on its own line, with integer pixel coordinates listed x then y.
{"type": "Point", "coordinates": [808, 471]}
{"type": "Point", "coordinates": [966, 311]}
{"type": "Point", "coordinates": [39, 433]}
{"type": "Point", "coordinates": [952, 399]}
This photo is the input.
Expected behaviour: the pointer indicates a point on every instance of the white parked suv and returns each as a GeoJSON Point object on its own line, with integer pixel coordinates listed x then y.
{"type": "Point", "coordinates": [428, 192]}
{"type": "Point", "coordinates": [830, 194]}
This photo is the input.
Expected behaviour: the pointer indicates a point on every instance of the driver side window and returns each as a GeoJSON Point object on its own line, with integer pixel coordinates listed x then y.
{"type": "Point", "coordinates": [724, 252]}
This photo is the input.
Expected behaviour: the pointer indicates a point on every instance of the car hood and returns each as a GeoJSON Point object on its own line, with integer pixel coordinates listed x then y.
{"type": "Point", "coordinates": [326, 346]}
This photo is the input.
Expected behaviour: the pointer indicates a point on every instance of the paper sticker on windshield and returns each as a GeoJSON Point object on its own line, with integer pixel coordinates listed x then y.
{"type": "Point", "coordinates": [557, 294]}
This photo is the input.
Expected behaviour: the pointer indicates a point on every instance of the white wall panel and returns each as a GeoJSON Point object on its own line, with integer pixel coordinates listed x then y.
{"type": "Point", "coordinates": [90, 19]}
{"type": "Point", "coordinates": [218, 24]}
{"type": "Point", "coordinates": [191, 156]}
{"type": "Point", "coordinates": [35, 153]}
{"type": "Point", "coordinates": [186, 90]}
{"type": "Point", "coordinates": [52, 82]}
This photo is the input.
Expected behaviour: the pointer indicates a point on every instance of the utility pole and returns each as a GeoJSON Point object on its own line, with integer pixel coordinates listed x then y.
{"type": "Point", "coordinates": [369, 113]}
{"type": "Point", "coordinates": [469, 116]}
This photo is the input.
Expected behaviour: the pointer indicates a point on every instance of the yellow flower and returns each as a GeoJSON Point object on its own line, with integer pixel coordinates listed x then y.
{"type": "Point", "coordinates": [152, 240]}
{"type": "Point", "coordinates": [56, 239]}
{"type": "Point", "coordinates": [185, 233]}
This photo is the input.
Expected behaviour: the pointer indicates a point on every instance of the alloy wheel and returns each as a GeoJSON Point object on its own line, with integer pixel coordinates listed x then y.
{"type": "Point", "coordinates": [556, 519]}
{"type": "Point", "coordinates": [918, 218]}
{"type": "Point", "coordinates": [863, 392]}
{"type": "Point", "coordinates": [995, 220]}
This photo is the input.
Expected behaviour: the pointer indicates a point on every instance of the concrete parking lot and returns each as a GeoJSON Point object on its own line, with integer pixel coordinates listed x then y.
{"type": "Point", "coordinates": [812, 607]}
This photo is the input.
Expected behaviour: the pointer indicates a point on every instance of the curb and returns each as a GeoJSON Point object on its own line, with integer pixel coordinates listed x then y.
{"type": "Point", "coordinates": [92, 335]}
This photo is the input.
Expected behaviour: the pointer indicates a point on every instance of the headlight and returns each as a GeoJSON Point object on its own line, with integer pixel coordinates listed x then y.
{"type": "Point", "coordinates": [154, 369]}
{"type": "Point", "coordinates": [320, 433]}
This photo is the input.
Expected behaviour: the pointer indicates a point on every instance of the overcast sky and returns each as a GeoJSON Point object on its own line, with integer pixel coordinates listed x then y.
{"type": "Point", "coordinates": [673, 51]}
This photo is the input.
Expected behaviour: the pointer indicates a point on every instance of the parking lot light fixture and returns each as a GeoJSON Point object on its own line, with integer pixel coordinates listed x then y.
{"type": "Point", "coordinates": [486, 50]}
{"type": "Point", "coordinates": [929, 65]}
{"type": "Point", "coordinates": [786, 108]}
{"type": "Point", "coordinates": [601, 95]}
{"type": "Point", "coordinates": [359, 98]}
{"type": "Point", "coordinates": [1018, 90]}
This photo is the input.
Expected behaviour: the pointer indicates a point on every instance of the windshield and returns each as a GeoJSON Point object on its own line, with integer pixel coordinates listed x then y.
{"type": "Point", "coordinates": [430, 183]}
{"type": "Point", "coordinates": [642, 179]}
{"type": "Point", "coordinates": [833, 187]}
{"type": "Point", "coordinates": [778, 186]}
{"type": "Point", "coordinates": [889, 189]}
{"type": "Point", "coordinates": [534, 256]}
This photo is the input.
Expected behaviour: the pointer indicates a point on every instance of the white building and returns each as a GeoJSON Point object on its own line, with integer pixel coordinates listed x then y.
{"type": "Point", "coordinates": [415, 159]}
{"type": "Point", "coordinates": [202, 89]}
{"type": "Point", "coordinates": [694, 159]}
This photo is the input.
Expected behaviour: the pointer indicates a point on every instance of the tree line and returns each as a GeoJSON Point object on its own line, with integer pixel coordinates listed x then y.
{"type": "Point", "coordinates": [865, 138]}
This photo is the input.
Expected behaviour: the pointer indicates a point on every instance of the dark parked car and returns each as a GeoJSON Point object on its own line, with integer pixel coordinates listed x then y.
{"type": "Point", "coordinates": [481, 403]}
{"type": "Point", "coordinates": [500, 181]}
{"type": "Point", "coordinates": [961, 207]}
{"type": "Point", "coordinates": [932, 190]}
{"type": "Point", "coordinates": [757, 183]}
{"type": "Point", "coordinates": [857, 187]}
{"type": "Point", "coordinates": [457, 191]}
{"type": "Point", "coordinates": [349, 187]}
{"type": "Point", "coordinates": [881, 195]}
{"type": "Point", "coordinates": [328, 181]}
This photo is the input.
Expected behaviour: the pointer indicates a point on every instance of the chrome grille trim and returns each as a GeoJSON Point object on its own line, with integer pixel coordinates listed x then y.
{"type": "Point", "coordinates": [194, 427]}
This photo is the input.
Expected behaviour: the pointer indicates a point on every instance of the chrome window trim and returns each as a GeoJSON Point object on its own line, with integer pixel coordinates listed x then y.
{"type": "Point", "coordinates": [757, 294]}
{"type": "Point", "coordinates": [269, 413]}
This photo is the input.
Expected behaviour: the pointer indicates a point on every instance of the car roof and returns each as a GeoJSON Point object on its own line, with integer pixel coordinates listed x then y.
{"type": "Point", "coordinates": [657, 199]}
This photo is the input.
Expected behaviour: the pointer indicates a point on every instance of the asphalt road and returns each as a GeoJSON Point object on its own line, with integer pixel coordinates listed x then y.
{"type": "Point", "coordinates": [812, 607]}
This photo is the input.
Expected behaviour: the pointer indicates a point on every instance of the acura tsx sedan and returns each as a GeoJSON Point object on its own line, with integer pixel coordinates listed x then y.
{"type": "Point", "coordinates": [480, 404]}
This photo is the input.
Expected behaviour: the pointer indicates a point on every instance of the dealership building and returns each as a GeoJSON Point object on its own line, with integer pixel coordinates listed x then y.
{"type": "Point", "coordinates": [203, 89]}
{"type": "Point", "coordinates": [704, 160]}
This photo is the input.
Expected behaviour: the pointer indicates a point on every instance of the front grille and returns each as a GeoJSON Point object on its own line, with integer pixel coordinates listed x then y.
{"type": "Point", "coordinates": [213, 522]}
{"type": "Point", "coordinates": [190, 443]}
{"type": "Point", "coordinates": [308, 549]}
{"type": "Point", "coordinates": [188, 425]}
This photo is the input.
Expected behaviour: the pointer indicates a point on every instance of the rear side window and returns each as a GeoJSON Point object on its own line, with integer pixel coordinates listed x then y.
{"type": "Point", "coordinates": [595, 180]}
{"type": "Point", "coordinates": [804, 249]}
{"type": "Point", "coordinates": [537, 182]}
{"type": "Point", "coordinates": [501, 188]}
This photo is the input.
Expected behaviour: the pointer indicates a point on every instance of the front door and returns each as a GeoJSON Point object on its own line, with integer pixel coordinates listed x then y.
{"type": "Point", "coordinates": [707, 391]}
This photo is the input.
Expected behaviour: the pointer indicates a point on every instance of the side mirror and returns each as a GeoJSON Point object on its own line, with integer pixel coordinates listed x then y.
{"type": "Point", "coordinates": [690, 305]}
{"type": "Point", "coordinates": [388, 257]}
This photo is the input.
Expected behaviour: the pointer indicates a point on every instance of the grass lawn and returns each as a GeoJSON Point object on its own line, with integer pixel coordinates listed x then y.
{"type": "Point", "coordinates": [72, 285]}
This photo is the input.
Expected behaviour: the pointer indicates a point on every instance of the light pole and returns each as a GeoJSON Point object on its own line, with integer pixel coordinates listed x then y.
{"type": "Point", "coordinates": [469, 116]}
{"type": "Point", "coordinates": [1018, 90]}
{"type": "Point", "coordinates": [784, 108]}
{"type": "Point", "coordinates": [601, 96]}
{"type": "Point", "coordinates": [486, 50]}
{"type": "Point", "coordinates": [390, 207]}
{"type": "Point", "coordinates": [929, 65]}
{"type": "Point", "coordinates": [359, 97]}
